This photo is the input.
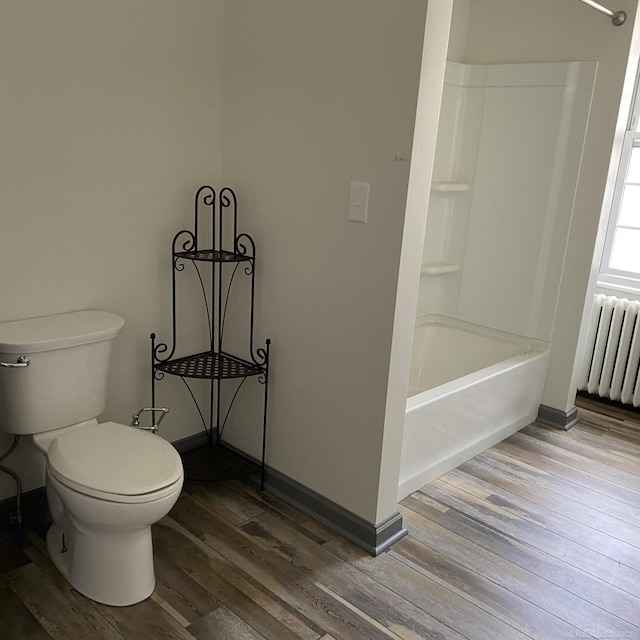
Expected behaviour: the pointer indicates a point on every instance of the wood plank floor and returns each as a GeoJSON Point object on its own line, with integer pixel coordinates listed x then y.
{"type": "Point", "coordinates": [538, 537]}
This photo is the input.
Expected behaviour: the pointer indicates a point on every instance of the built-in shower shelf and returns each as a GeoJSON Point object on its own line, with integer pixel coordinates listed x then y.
{"type": "Point", "coordinates": [439, 268]}
{"type": "Point", "coordinates": [449, 188]}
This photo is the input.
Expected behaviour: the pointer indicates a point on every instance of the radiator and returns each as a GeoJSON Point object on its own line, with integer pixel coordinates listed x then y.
{"type": "Point", "coordinates": [612, 353]}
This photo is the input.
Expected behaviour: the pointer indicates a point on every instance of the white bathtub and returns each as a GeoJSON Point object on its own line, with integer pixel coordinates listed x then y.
{"type": "Point", "coordinates": [469, 388]}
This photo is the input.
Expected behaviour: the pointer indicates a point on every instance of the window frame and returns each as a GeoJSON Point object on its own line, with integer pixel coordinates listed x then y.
{"type": "Point", "coordinates": [624, 280]}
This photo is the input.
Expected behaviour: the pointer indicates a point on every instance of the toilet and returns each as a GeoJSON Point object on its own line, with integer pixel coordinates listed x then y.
{"type": "Point", "coordinates": [106, 483]}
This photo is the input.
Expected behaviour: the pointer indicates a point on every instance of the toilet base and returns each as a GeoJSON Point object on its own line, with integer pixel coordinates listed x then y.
{"type": "Point", "coordinates": [113, 568]}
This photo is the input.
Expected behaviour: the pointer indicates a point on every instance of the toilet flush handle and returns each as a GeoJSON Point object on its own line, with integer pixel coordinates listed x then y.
{"type": "Point", "coordinates": [23, 361]}
{"type": "Point", "coordinates": [135, 418]}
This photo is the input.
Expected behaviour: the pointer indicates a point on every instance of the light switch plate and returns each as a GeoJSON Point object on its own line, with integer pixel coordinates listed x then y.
{"type": "Point", "coordinates": [358, 202]}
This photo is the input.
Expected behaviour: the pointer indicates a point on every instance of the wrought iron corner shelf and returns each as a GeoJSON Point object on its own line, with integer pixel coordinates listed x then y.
{"type": "Point", "coordinates": [215, 363]}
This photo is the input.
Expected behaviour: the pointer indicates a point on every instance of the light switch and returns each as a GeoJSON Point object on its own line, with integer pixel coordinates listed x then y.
{"type": "Point", "coordinates": [358, 202]}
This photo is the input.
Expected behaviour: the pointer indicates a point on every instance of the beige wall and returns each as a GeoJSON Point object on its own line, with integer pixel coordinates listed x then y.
{"type": "Point", "coordinates": [110, 117]}
{"type": "Point", "coordinates": [511, 31]}
{"type": "Point", "coordinates": [318, 94]}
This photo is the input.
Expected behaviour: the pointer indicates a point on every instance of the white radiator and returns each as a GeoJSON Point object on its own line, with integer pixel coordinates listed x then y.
{"type": "Point", "coordinates": [612, 354]}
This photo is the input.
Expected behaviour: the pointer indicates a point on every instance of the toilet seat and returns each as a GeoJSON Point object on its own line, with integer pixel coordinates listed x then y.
{"type": "Point", "coordinates": [116, 497]}
{"type": "Point", "coordinates": [116, 463]}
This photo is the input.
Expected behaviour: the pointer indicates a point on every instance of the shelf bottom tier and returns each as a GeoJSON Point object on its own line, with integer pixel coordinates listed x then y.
{"type": "Point", "coordinates": [214, 463]}
{"type": "Point", "coordinates": [210, 365]}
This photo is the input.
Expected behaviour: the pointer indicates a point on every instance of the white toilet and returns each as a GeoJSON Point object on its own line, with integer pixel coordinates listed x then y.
{"type": "Point", "coordinates": [106, 483]}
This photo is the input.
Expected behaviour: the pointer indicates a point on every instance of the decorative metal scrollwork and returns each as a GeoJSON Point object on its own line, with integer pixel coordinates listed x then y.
{"type": "Point", "coordinates": [245, 246]}
{"type": "Point", "coordinates": [262, 355]}
{"type": "Point", "coordinates": [188, 246]}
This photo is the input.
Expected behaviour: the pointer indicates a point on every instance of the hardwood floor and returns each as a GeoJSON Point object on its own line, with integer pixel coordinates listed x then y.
{"type": "Point", "coordinates": [538, 537]}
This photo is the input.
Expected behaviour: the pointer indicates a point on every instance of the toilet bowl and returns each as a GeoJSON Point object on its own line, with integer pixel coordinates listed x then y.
{"type": "Point", "coordinates": [106, 483]}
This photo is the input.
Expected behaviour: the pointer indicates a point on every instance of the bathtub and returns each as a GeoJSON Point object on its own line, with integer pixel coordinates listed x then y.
{"type": "Point", "coordinates": [470, 387]}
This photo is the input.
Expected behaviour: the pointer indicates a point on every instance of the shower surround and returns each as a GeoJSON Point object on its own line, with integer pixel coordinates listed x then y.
{"type": "Point", "coordinates": [510, 141]}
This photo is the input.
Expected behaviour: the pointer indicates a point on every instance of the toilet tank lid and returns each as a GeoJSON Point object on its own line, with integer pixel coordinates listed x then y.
{"type": "Point", "coordinates": [58, 331]}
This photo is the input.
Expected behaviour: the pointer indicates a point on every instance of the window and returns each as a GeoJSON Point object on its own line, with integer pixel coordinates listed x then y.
{"type": "Point", "coordinates": [621, 255]}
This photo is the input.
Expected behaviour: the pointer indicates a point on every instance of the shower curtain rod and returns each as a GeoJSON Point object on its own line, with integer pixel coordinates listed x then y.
{"type": "Point", "coordinates": [617, 17]}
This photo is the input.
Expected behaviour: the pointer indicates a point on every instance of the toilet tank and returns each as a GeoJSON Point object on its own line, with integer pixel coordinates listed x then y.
{"type": "Point", "coordinates": [66, 379]}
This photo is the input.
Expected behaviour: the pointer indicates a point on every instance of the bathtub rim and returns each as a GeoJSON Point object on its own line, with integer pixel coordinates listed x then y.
{"type": "Point", "coordinates": [436, 319]}
{"type": "Point", "coordinates": [459, 384]}
{"type": "Point", "coordinates": [532, 347]}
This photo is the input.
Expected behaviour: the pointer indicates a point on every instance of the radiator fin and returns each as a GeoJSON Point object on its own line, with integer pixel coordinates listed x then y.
{"type": "Point", "coordinates": [612, 354]}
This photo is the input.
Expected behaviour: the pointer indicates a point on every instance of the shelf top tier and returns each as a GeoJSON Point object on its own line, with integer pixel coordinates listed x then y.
{"type": "Point", "coordinates": [210, 365]}
{"type": "Point", "coordinates": [212, 255]}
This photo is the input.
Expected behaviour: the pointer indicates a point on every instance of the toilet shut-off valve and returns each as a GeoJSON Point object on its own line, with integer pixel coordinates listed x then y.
{"type": "Point", "coordinates": [135, 418]}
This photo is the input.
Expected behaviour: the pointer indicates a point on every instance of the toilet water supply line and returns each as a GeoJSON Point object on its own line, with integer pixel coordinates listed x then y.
{"type": "Point", "coordinates": [617, 17]}
{"type": "Point", "coordinates": [14, 475]}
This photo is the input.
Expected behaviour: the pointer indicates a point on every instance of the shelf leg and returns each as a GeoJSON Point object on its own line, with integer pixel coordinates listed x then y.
{"type": "Point", "coordinates": [211, 406]}
{"type": "Point", "coordinates": [264, 416]}
{"type": "Point", "coordinates": [153, 375]}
